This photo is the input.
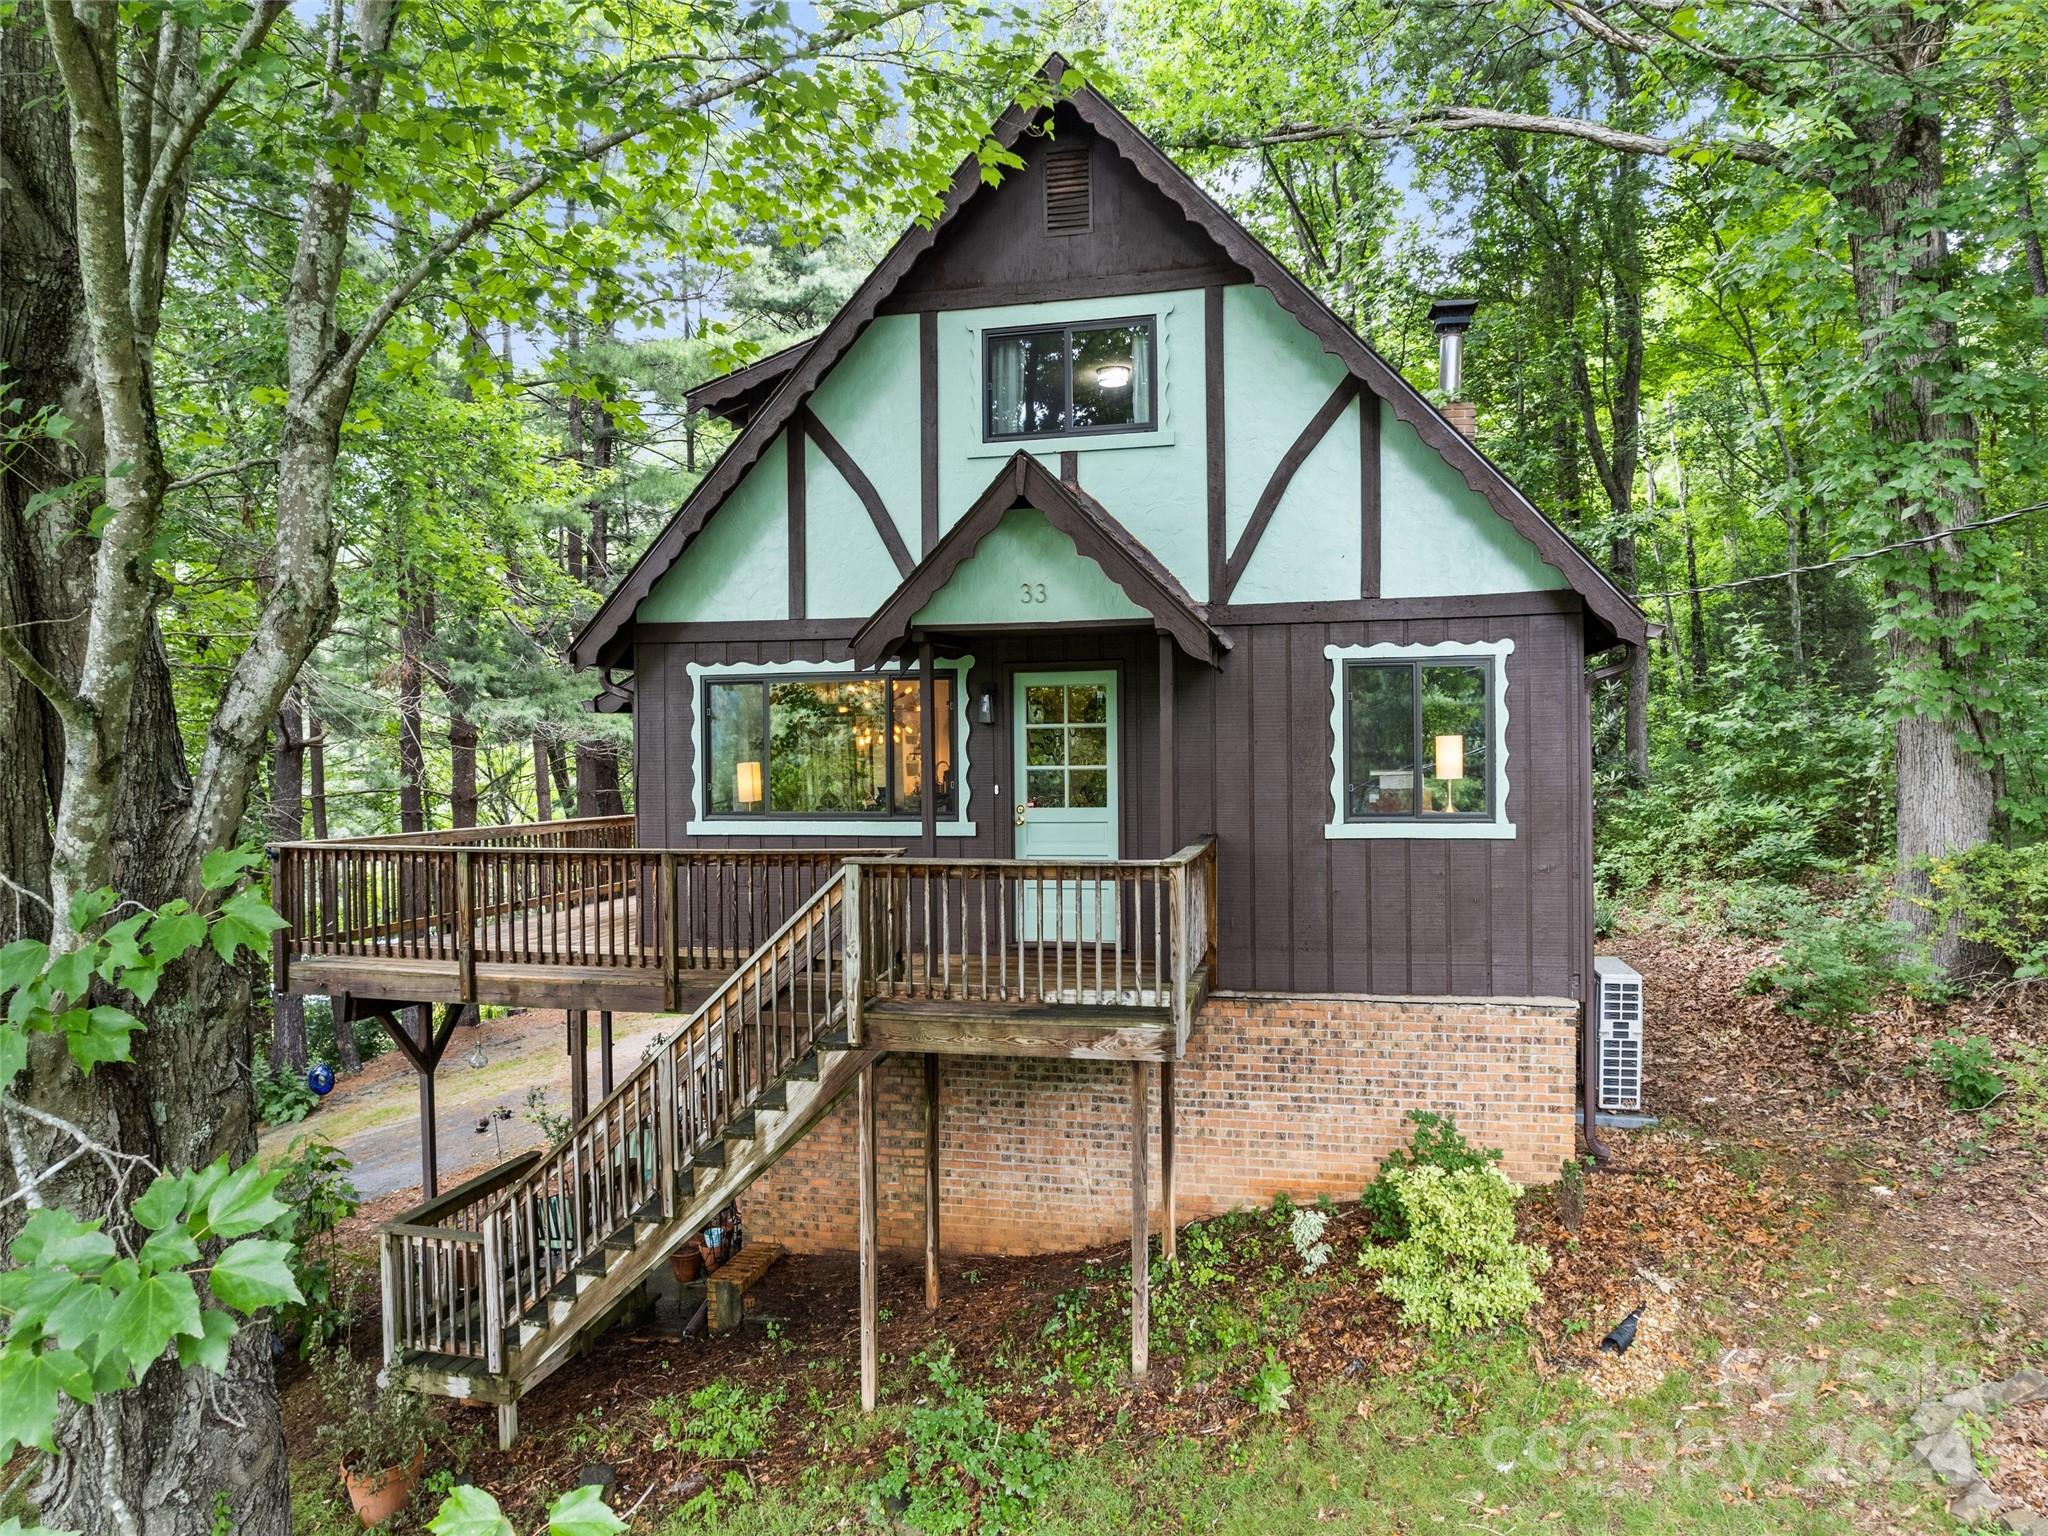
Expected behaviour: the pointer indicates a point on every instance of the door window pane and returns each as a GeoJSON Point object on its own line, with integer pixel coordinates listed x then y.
{"type": "Point", "coordinates": [1046, 786]}
{"type": "Point", "coordinates": [1089, 704]}
{"type": "Point", "coordinates": [1380, 776]}
{"type": "Point", "coordinates": [1044, 747]}
{"type": "Point", "coordinates": [1454, 767]}
{"type": "Point", "coordinates": [1045, 706]}
{"type": "Point", "coordinates": [738, 721]}
{"type": "Point", "coordinates": [1088, 787]}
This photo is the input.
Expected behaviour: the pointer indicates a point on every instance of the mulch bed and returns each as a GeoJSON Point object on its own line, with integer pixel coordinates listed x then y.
{"type": "Point", "coordinates": [2018, 1454]}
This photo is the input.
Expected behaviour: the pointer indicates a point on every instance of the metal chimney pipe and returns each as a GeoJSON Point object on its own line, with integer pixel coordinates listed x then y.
{"type": "Point", "coordinates": [1452, 318]}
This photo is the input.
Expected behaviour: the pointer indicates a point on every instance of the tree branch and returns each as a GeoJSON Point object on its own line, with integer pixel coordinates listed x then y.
{"type": "Point", "coordinates": [145, 237]}
{"type": "Point", "coordinates": [591, 149]}
{"type": "Point", "coordinates": [70, 708]}
{"type": "Point", "coordinates": [1466, 119]}
{"type": "Point", "coordinates": [204, 475]}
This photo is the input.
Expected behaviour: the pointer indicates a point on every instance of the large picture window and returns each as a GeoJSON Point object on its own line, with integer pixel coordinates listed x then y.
{"type": "Point", "coordinates": [1054, 380]}
{"type": "Point", "coordinates": [1418, 739]}
{"type": "Point", "coordinates": [826, 746]}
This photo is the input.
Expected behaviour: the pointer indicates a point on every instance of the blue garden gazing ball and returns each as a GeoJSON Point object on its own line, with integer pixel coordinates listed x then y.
{"type": "Point", "coordinates": [320, 1078]}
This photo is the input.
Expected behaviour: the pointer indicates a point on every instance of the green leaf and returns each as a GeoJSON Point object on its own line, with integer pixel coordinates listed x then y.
{"type": "Point", "coordinates": [99, 1034]}
{"type": "Point", "coordinates": [469, 1511]}
{"type": "Point", "coordinates": [209, 1348]}
{"type": "Point", "coordinates": [30, 1384]}
{"type": "Point", "coordinates": [61, 1241]}
{"type": "Point", "coordinates": [80, 1315]}
{"type": "Point", "coordinates": [242, 1203]}
{"type": "Point", "coordinates": [164, 1200]}
{"type": "Point", "coordinates": [176, 930]}
{"type": "Point", "coordinates": [118, 946]}
{"type": "Point", "coordinates": [13, 1053]}
{"type": "Point", "coordinates": [172, 1248]}
{"type": "Point", "coordinates": [21, 962]}
{"type": "Point", "coordinates": [71, 973]}
{"type": "Point", "coordinates": [88, 907]}
{"type": "Point", "coordinates": [149, 1316]}
{"type": "Point", "coordinates": [255, 1273]}
{"type": "Point", "coordinates": [223, 866]}
{"type": "Point", "coordinates": [582, 1512]}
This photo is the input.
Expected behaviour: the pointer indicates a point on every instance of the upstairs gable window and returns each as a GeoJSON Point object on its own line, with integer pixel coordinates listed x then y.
{"type": "Point", "coordinates": [1057, 380]}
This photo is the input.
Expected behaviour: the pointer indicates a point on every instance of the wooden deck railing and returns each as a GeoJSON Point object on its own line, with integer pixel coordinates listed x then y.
{"type": "Point", "coordinates": [558, 894]}
{"type": "Point", "coordinates": [458, 1269]}
{"type": "Point", "coordinates": [1128, 933]}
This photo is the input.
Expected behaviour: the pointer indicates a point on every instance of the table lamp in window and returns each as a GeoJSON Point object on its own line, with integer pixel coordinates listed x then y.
{"type": "Point", "coordinates": [1450, 766]}
{"type": "Point", "coordinates": [747, 782]}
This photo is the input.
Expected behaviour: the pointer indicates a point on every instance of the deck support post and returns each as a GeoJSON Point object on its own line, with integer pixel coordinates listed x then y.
{"type": "Point", "coordinates": [1169, 1245]}
{"type": "Point", "coordinates": [422, 1044]}
{"type": "Point", "coordinates": [430, 1172]}
{"type": "Point", "coordinates": [508, 1425]}
{"type": "Point", "coordinates": [577, 1022]}
{"type": "Point", "coordinates": [1141, 1277]}
{"type": "Point", "coordinates": [864, 1152]}
{"type": "Point", "coordinates": [604, 1047]}
{"type": "Point", "coordinates": [931, 1181]}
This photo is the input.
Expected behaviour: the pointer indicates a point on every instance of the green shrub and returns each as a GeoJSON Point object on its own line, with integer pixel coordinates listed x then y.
{"type": "Point", "coordinates": [1833, 969]}
{"type": "Point", "coordinates": [1998, 898]}
{"type": "Point", "coordinates": [1968, 1070]}
{"type": "Point", "coordinates": [1459, 1268]}
{"type": "Point", "coordinates": [958, 1468]}
{"type": "Point", "coordinates": [1271, 1385]}
{"type": "Point", "coordinates": [282, 1097]}
{"type": "Point", "coordinates": [1437, 1143]}
{"type": "Point", "coordinates": [316, 1186]}
{"type": "Point", "coordinates": [1764, 909]}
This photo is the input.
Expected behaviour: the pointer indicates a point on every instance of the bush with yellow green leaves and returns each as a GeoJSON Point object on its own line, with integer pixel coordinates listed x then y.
{"type": "Point", "coordinates": [1459, 1268]}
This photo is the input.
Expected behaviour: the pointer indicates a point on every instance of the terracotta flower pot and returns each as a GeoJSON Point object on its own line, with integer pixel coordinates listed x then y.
{"type": "Point", "coordinates": [686, 1264]}
{"type": "Point", "coordinates": [377, 1496]}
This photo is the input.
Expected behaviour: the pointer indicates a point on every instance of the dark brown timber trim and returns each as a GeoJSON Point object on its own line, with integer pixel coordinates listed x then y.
{"type": "Point", "coordinates": [1169, 764]}
{"type": "Point", "coordinates": [996, 295]}
{"type": "Point", "coordinates": [748, 629]}
{"type": "Point", "coordinates": [1482, 605]}
{"type": "Point", "coordinates": [1212, 370]}
{"type": "Point", "coordinates": [928, 430]}
{"type": "Point", "coordinates": [863, 487]}
{"type": "Point", "coordinates": [1369, 496]}
{"type": "Point", "coordinates": [1283, 476]}
{"type": "Point", "coordinates": [1070, 467]}
{"type": "Point", "coordinates": [794, 440]}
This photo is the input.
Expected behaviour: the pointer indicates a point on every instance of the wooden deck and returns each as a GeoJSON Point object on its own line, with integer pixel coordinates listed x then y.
{"type": "Point", "coordinates": [983, 957]}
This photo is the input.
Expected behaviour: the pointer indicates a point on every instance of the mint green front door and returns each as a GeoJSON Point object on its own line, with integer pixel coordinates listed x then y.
{"type": "Point", "coordinates": [1066, 808]}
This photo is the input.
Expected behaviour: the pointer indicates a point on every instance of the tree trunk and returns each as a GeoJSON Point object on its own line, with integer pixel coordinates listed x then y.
{"type": "Point", "coordinates": [286, 825]}
{"type": "Point", "coordinates": [413, 632]}
{"type": "Point", "coordinates": [543, 811]}
{"type": "Point", "coordinates": [1898, 260]}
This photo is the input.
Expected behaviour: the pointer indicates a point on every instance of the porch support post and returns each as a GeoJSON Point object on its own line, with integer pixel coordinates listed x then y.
{"type": "Point", "coordinates": [1141, 1279]}
{"type": "Point", "coordinates": [864, 1153]}
{"type": "Point", "coordinates": [577, 1021]}
{"type": "Point", "coordinates": [604, 1065]}
{"type": "Point", "coordinates": [1168, 823]}
{"type": "Point", "coordinates": [931, 1181]}
{"type": "Point", "coordinates": [430, 1162]}
{"type": "Point", "coordinates": [928, 725]}
{"type": "Point", "coordinates": [1169, 1245]}
{"type": "Point", "coordinates": [508, 1425]}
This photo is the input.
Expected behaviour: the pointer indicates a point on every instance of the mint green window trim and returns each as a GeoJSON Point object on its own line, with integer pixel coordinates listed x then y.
{"type": "Point", "coordinates": [1495, 653]}
{"type": "Point", "coordinates": [703, 824]}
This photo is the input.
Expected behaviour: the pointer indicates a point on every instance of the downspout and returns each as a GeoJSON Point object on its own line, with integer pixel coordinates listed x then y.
{"type": "Point", "coordinates": [1589, 1057]}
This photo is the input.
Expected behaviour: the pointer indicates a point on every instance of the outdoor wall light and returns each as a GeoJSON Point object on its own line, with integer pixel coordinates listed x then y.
{"type": "Point", "coordinates": [985, 706]}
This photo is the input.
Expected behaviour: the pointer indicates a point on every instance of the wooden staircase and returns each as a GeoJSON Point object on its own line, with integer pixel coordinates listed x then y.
{"type": "Point", "coordinates": [491, 1287]}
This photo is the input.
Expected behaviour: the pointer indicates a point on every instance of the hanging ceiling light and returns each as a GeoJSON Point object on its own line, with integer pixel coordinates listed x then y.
{"type": "Point", "coordinates": [1114, 376]}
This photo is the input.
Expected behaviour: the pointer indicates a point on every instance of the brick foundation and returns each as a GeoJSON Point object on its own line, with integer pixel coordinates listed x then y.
{"type": "Point", "coordinates": [1294, 1093]}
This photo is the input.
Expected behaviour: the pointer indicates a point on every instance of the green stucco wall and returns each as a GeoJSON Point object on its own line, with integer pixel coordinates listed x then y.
{"type": "Point", "coordinates": [1026, 571]}
{"type": "Point", "coordinates": [870, 404]}
{"type": "Point", "coordinates": [1438, 536]}
{"type": "Point", "coordinates": [738, 566]}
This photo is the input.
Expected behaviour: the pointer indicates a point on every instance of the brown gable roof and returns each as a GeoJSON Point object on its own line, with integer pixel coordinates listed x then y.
{"type": "Point", "coordinates": [1615, 614]}
{"type": "Point", "coordinates": [1026, 482]}
{"type": "Point", "coordinates": [730, 394]}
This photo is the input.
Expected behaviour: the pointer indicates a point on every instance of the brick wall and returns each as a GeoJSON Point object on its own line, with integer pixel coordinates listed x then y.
{"type": "Point", "coordinates": [1294, 1093]}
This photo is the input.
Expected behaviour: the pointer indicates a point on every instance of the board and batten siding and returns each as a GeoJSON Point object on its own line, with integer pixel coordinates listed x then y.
{"type": "Point", "coordinates": [1298, 912]}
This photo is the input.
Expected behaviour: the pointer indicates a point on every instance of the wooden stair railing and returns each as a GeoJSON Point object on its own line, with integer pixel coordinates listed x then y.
{"type": "Point", "coordinates": [467, 1276]}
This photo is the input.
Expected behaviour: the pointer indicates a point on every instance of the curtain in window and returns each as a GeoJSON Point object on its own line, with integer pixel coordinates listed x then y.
{"type": "Point", "coordinates": [1006, 385]}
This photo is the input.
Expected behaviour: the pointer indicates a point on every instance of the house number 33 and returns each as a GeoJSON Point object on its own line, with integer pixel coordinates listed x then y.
{"type": "Point", "coordinates": [1032, 591]}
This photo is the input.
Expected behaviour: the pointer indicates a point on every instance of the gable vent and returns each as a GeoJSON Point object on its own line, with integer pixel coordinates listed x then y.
{"type": "Point", "coordinates": [1067, 202]}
